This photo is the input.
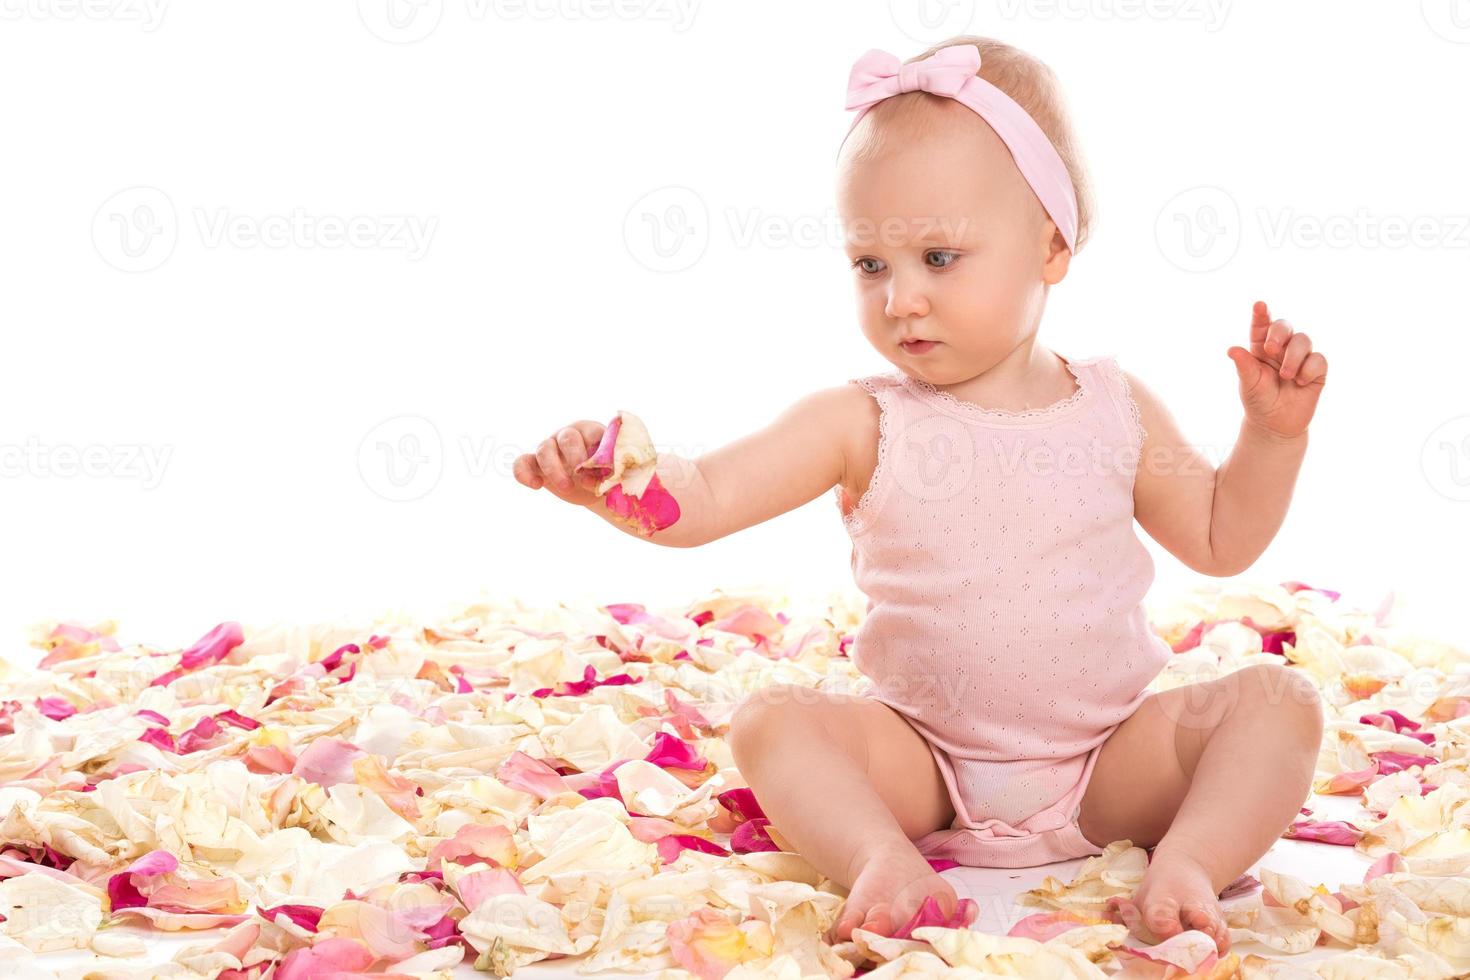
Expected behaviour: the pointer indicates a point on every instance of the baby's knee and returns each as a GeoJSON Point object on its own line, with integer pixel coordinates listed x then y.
{"type": "Point", "coordinates": [1289, 692]}
{"type": "Point", "coordinates": [761, 716]}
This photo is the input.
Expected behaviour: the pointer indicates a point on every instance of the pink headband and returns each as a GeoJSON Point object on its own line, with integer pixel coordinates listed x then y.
{"type": "Point", "coordinates": [950, 72]}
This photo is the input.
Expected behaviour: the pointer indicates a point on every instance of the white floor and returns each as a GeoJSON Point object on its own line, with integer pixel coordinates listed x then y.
{"type": "Point", "coordinates": [994, 890]}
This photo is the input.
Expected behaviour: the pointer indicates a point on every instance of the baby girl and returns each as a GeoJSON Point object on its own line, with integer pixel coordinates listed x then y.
{"type": "Point", "coordinates": [990, 486]}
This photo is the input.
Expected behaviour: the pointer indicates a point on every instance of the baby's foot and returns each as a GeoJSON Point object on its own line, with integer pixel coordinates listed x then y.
{"type": "Point", "coordinates": [890, 886]}
{"type": "Point", "coordinates": [1175, 895]}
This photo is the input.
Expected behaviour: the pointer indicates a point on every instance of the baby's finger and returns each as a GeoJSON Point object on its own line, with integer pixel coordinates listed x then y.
{"type": "Point", "coordinates": [553, 470]}
{"type": "Point", "coordinates": [592, 433]}
{"type": "Point", "coordinates": [1260, 321]}
{"type": "Point", "coordinates": [1297, 349]}
{"type": "Point", "coordinates": [573, 449]}
{"type": "Point", "coordinates": [525, 470]}
{"type": "Point", "coordinates": [1276, 339]}
{"type": "Point", "coordinates": [1314, 368]}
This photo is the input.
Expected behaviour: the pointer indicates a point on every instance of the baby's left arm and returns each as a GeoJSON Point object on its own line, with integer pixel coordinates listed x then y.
{"type": "Point", "coordinates": [1218, 521]}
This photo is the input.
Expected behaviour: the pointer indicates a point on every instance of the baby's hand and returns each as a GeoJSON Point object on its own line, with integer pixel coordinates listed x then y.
{"type": "Point", "coordinates": [554, 464]}
{"type": "Point", "coordinates": [1281, 377]}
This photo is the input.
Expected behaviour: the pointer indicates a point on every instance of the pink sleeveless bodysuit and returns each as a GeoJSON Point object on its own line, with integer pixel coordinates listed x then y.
{"type": "Point", "coordinates": [1005, 583]}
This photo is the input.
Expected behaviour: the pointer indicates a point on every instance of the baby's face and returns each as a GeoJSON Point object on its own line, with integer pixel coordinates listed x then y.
{"type": "Point", "coordinates": [949, 244]}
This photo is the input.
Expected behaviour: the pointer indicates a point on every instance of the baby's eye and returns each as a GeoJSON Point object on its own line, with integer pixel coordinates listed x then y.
{"type": "Point", "coordinates": [939, 251]}
{"type": "Point", "coordinates": [858, 264]}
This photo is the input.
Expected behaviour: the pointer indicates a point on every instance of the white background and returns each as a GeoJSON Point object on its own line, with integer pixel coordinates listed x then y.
{"type": "Point", "coordinates": [173, 173]}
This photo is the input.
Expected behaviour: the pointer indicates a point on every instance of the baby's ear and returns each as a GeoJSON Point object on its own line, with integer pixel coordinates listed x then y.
{"type": "Point", "coordinates": [1058, 257]}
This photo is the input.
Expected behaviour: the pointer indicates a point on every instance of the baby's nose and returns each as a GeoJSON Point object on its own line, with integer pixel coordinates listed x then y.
{"type": "Point", "coordinates": [905, 301]}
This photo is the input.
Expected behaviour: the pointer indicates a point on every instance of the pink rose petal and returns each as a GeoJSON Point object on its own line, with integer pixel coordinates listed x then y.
{"type": "Point", "coordinates": [305, 916]}
{"type": "Point", "coordinates": [671, 846]}
{"type": "Point", "coordinates": [1389, 863]}
{"type": "Point", "coordinates": [529, 775]}
{"type": "Point", "coordinates": [1189, 953]}
{"type": "Point", "coordinates": [751, 836]}
{"type": "Point", "coordinates": [68, 641]}
{"type": "Point", "coordinates": [476, 886]}
{"type": "Point", "coordinates": [1350, 782]}
{"type": "Point", "coordinates": [475, 842]}
{"type": "Point", "coordinates": [122, 888]}
{"type": "Point", "coordinates": [1243, 885]}
{"type": "Point", "coordinates": [1392, 762]}
{"type": "Point", "coordinates": [652, 510]}
{"type": "Point", "coordinates": [709, 945]}
{"type": "Point", "coordinates": [670, 752]}
{"type": "Point", "coordinates": [1299, 586]}
{"type": "Point", "coordinates": [1324, 832]}
{"type": "Point", "coordinates": [929, 914]}
{"type": "Point", "coordinates": [212, 647]}
{"type": "Point", "coordinates": [233, 717]}
{"type": "Point", "coordinates": [327, 762]}
{"type": "Point", "coordinates": [327, 956]}
{"type": "Point", "coordinates": [159, 738]}
{"type": "Point", "coordinates": [1043, 926]}
{"type": "Point", "coordinates": [55, 708]}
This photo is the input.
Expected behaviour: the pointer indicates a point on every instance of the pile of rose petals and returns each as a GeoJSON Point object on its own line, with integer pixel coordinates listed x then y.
{"type": "Point", "coordinates": [513, 785]}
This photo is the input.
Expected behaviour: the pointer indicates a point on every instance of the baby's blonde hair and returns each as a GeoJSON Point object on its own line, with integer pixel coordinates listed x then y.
{"type": "Point", "coordinates": [1018, 74]}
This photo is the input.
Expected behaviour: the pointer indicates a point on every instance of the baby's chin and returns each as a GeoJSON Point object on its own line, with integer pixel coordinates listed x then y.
{"type": "Point", "coordinates": [934, 365]}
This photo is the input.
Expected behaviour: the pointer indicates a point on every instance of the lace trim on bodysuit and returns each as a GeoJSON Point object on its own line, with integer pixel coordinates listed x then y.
{"type": "Point", "coordinates": [856, 520]}
{"type": "Point", "coordinates": [971, 410]}
{"type": "Point", "coordinates": [1135, 417]}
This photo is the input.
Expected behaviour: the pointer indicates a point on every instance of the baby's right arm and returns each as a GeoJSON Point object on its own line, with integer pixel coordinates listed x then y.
{"type": "Point", "coordinates": [801, 454]}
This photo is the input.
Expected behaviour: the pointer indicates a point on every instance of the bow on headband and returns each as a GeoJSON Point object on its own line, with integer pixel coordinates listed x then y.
{"type": "Point", "coordinates": [951, 72]}
{"type": "Point", "coordinates": [878, 74]}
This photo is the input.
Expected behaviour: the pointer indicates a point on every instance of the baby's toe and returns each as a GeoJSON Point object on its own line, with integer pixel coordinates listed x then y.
{"type": "Point", "coordinates": [878, 920]}
{"type": "Point", "coordinates": [1162, 918]}
{"type": "Point", "coordinates": [1201, 918]}
{"type": "Point", "coordinates": [1124, 911]}
{"type": "Point", "coordinates": [841, 930]}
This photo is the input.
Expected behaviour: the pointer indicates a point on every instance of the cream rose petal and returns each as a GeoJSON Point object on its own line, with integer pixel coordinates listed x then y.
{"type": "Point", "coordinates": [45, 914]}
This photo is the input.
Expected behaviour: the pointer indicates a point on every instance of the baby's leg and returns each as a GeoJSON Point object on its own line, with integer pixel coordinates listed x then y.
{"type": "Point", "coordinates": [851, 785]}
{"type": "Point", "coordinates": [1212, 773]}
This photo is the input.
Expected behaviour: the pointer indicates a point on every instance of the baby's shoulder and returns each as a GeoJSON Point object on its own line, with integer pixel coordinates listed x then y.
{"type": "Point", "coordinates": [861, 407]}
